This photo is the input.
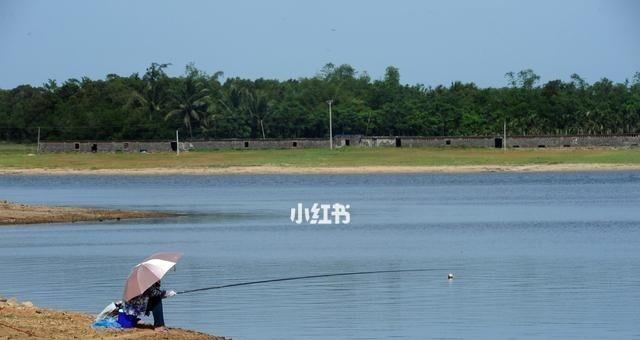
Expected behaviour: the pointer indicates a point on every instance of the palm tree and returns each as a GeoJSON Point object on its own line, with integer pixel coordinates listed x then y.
{"type": "Point", "coordinates": [257, 105]}
{"type": "Point", "coordinates": [153, 95]}
{"type": "Point", "coordinates": [191, 99]}
{"type": "Point", "coordinates": [207, 124]}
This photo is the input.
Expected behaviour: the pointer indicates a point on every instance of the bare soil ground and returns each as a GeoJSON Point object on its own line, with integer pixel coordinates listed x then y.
{"type": "Point", "coordinates": [13, 213]}
{"type": "Point", "coordinates": [25, 321]}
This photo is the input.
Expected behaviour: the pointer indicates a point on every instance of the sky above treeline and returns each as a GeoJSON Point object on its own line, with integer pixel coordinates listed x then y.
{"type": "Point", "coordinates": [431, 42]}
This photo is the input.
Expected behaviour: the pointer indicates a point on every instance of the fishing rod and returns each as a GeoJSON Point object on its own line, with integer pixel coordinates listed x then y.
{"type": "Point", "coordinates": [305, 278]}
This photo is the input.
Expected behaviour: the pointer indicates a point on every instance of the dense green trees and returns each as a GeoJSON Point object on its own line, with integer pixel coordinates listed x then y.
{"type": "Point", "coordinates": [154, 105]}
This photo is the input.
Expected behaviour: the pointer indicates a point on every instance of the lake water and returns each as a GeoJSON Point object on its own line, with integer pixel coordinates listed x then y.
{"type": "Point", "coordinates": [540, 256]}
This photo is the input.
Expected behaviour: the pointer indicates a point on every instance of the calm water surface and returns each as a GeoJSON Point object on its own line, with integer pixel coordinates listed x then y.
{"type": "Point", "coordinates": [536, 256]}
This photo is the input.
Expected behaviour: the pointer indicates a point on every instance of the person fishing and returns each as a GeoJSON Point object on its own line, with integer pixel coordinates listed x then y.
{"type": "Point", "coordinates": [150, 302]}
{"type": "Point", "coordinates": [154, 305]}
{"type": "Point", "coordinates": [142, 292]}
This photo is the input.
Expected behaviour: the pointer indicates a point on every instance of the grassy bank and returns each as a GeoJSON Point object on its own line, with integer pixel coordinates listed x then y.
{"type": "Point", "coordinates": [21, 157]}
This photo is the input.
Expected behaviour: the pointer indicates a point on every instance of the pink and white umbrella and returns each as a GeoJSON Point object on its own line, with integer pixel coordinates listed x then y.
{"type": "Point", "coordinates": [150, 271]}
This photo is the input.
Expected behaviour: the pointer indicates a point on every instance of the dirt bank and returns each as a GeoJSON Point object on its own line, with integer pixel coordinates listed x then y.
{"type": "Point", "coordinates": [13, 213]}
{"type": "Point", "coordinates": [24, 321]}
{"type": "Point", "coordinates": [367, 169]}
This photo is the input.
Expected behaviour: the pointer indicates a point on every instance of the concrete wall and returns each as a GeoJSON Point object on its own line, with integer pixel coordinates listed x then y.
{"type": "Point", "coordinates": [573, 141]}
{"type": "Point", "coordinates": [165, 146]}
{"type": "Point", "coordinates": [121, 146]}
{"type": "Point", "coordinates": [269, 143]}
{"type": "Point", "coordinates": [491, 142]}
{"type": "Point", "coordinates": [346, 141]}
{"type": "Point", "coordinates": [410, 142]}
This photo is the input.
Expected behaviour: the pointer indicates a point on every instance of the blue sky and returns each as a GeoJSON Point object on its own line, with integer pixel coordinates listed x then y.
{"type": "Point", "coordinates": [430, 42]}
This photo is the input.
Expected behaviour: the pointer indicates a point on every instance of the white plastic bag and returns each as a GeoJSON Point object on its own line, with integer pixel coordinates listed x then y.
{"type": "Point", "coordinates": [110, 311]}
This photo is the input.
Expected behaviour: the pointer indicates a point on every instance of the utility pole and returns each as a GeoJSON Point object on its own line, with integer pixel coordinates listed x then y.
{"type": "Point", "coordinates": [330, 101]}
{"type": "Point", "coordinates": [504, 134]}
{"type": "Point", "coordinates": [38, 148]}
{"type": "Point", "coordinates": [177, 144]}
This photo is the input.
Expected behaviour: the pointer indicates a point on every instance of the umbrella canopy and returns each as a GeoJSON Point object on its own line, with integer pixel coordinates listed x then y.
{"type": "Point", "coordinates": [150, 271]}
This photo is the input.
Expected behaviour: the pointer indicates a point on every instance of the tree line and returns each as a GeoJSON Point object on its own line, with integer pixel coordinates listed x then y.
{"type": "Point", "coordinates": [203, 106]}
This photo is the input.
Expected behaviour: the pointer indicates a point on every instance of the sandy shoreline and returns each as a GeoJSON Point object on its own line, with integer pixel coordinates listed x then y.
{"type": "Point", "coordinates": [25, 321]}
{"type": "Point", "coordinates": [296, 170]}
{"type": "Point", "coordinates": [15, 213]}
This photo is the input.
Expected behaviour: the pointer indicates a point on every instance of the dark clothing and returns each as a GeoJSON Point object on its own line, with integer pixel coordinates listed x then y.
{"type": "Point", "coordinates": [158, 315]}
{"type": "Point", "coordinates": [154, 305]}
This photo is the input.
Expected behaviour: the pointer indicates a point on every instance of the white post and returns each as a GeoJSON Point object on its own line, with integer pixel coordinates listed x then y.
{"type": "Point", "coordinates": [504, 133]}
{"type": "Point", "coordinates": [38, 148]}
{"type": "Point", "coordinates": [330, 101]}
{"type": "Point", "coordinates": [177, 144]}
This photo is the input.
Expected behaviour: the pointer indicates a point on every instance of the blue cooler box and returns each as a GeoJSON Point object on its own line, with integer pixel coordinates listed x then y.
{"type": "Point", "coordinates": [127, 321]}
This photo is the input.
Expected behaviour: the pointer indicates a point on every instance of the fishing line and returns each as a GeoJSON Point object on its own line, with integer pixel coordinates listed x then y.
{"type": "Point", "coordinates": [304, 278]}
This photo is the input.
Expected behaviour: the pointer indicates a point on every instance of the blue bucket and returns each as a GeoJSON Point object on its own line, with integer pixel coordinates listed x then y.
{"type": "Point", "coordinates": [127, 321]}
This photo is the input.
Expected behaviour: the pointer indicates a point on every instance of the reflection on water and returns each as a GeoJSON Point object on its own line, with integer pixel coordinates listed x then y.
{"type": "Point", "coordinates": [535, 255]}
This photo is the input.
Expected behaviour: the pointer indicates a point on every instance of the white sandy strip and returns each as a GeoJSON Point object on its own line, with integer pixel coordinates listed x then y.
{"type": "Point", "coordinates": [272, 169]}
